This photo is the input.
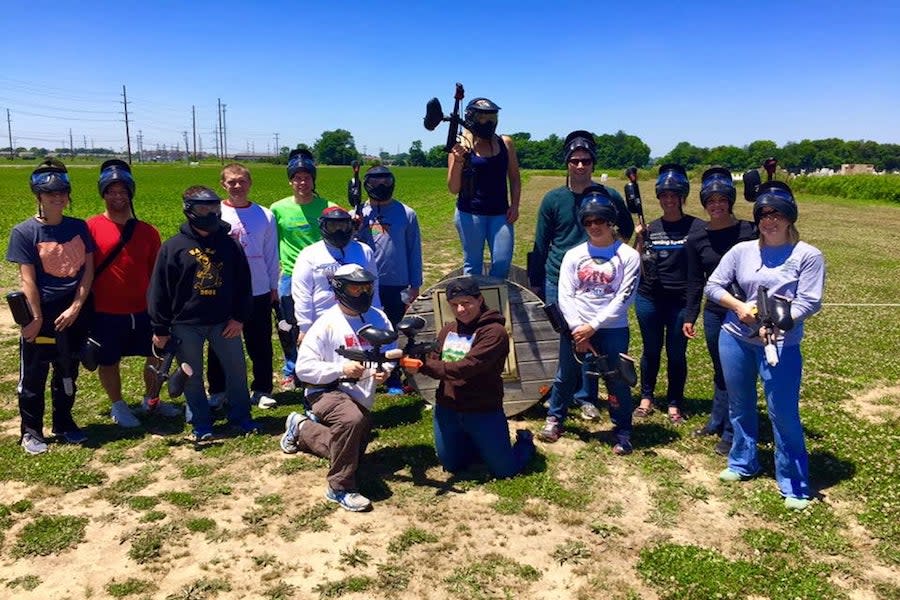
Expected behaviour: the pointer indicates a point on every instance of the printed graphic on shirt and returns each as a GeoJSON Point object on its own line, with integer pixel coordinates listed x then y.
{"type": "Point", "coordinates": [62, 260]}
{"type": "Point", "coordinates": [379, 227]}
{"type": "Point", "coordinates": [327, 270]}
{"type": "Point", "coordinates": [598, 277]}
{"type": "Point", "coordinates": [456, 346]}
{"type": "Point", "coordinates": [208, 277]}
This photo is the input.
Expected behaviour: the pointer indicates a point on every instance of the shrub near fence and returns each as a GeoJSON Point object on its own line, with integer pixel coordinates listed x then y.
{"type": "Point", "coordinates": [867, 187]}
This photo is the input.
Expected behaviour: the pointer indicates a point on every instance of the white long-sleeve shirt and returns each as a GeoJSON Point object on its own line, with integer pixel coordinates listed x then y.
{"type": "Point", "coordinates": [597, 284]}
{"type": "Point", "coordinates": [253, 227]}
{"type": "Point", "coordinates": [311, 279]}
{"type": "Point", "coordinates": [319, 364]}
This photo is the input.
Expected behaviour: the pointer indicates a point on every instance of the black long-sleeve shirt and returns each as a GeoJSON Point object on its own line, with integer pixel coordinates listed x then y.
{"type": "Point", "coordinates": [705, 248]}
{"type": "Point", "coordinates": [199, 280]}
{"type": "Point", "coordinates": [664, 271]}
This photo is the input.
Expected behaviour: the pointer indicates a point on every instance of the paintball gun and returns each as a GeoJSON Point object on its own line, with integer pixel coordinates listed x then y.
{"type": "Point", "coordinates": [176, 380]}
{"type": "Point", "coordinates": [633, 196]}
{"type": "Point", "coordinates": [596, 365]}
{"type": "Point", "coordinates": [376, 338]}
{"type": "Point", "coordinates": [434, 116]}
{"type": "Point", "coordinates": [287, 331]}
{"type": "Point", "coordinates": [413, 351]}
{"type": "Point", "coordinates": [22, 315]}
{"type": "Point", "coordinates": [773, 313]}
{"type": "Point", "coordinates": [354, 190]}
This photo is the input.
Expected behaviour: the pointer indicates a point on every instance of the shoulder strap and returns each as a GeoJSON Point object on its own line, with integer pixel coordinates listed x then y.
{"type": "Point", "coordinates": [126, 236]}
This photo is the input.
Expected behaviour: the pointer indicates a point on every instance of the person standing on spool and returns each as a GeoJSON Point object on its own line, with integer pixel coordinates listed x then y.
{"type": "Point", "coordinates": [483, 172]}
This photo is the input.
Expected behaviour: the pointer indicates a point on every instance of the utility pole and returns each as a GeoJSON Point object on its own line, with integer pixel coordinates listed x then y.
{"type": "Point", "coordinates": [277, 147]}
{"type": "Point", "coordinates": [127, 132]}
{"type": "Point", "coordinates": [219, 145]}
{"type": "Point", "coordinates": [224, 135]}
{"type": "Point", "coordinates": [140, 141]}
{"type": "Point", "coordinates": [9, 129]}
{"type": "Point", "coordinates": [84, 141]}
{"type": "Point", "coordinates": [187, 156]}
{"type": "Point", "coordinates": [71, 143]}
{"type": "Point", "coordinates": [194, 120]}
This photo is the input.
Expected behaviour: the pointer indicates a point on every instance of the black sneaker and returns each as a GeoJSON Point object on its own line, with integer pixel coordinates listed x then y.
{"type": "Point", "coordinates": [722, 448]}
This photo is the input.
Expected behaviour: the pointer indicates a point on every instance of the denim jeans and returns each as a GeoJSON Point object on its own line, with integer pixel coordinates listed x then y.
{"type": "Point", "coordinates": [231, 354]}
{"type": "Point", "coordinates": [567, 380]}
{"type": "Point", "coordinates": [474, 231]}
{"type": "Point", "coordinates": [660, 320]}
{"type": "Point", "coordinates": [287, 309]}
{"type": "Point", "coordinates": [718, 415]}
{"type": "Point", "coordinates": [461, 438]}
{"type": "Point", "coordinates": [742, 363]}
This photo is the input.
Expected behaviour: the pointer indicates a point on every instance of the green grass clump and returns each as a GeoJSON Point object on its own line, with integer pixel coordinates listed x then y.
{"type": "Point", "coordinates": [50, 535]}
{"type": "Point", "coordinates": [129, 587]}
{"type": "Point", "coordinates": [348, 585]}
{"type": "Point", "coordinates": [200, 525]}
{"type": "Point", "coordinates": [689, 572]}
{"type": "Point", "coordinates": [64, 467]}
{"type": "Point", "coordinates": [491, 576]}
{"type": "Point", "coordinates": [409, 538]}
{"type": "Point", "coordinates": [26, 582]}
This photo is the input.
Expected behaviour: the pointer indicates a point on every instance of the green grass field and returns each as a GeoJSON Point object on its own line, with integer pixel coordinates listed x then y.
{"type": "Point", "coordinates": [580, 523]}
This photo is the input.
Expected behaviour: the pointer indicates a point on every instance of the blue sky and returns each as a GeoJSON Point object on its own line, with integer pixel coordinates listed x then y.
{"type": "Point", "coordinates": [704, 72]}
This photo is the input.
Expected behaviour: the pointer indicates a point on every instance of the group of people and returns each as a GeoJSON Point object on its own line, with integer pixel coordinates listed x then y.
{"type": "Point", "coordinates": [330, 273]}
{"type": "Point", "coordinates": [581, 263]}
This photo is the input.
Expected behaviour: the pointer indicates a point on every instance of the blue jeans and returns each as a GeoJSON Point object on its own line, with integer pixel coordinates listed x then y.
{"type": "Point", "coordinates": [660, 320]}
{"type": "Point", "coordinates": [461, 438]}
{"type": "Point", "coordinates": [231, 354]}
{"type": "Point", "coordinates": [287, 309]}
{"type": "Point", "coordinates": [742, 363]}
{"type": "Point", "coordinates": [474, 231]}
{"type": "Point", "coordinates": [718, 415]}
{"type": "Point", "coordinates": [568, 371]}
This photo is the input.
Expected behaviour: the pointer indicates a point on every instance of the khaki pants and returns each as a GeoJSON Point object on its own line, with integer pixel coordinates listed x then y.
{"type": "Point", "coordinates": [340, 436]}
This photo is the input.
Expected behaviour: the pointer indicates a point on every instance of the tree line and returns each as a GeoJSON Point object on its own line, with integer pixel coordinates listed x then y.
{"type": "Point", "coordinates": [621, 150]}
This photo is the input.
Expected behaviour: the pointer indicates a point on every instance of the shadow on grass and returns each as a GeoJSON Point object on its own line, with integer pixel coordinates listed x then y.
{"type": "Point", "coordinates": [399, 414]}
{"type": "Point", "coordinates": [827, 470]}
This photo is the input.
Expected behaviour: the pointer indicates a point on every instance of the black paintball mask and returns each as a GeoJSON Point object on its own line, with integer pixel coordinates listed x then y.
{"type": "Point", "coordinates": [379, 183]}
{"type": "Point", "coordinates": [203, 208]}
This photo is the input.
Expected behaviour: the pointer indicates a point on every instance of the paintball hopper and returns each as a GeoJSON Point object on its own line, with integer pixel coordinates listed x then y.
{"type": "Point", "coordinates": [18, 306]}
{"type": "Point", "coordinates": [434, 114]}
{"type": "Point", "coordinates": [410, 326]}
{"type": "Point", "coordinates": [752, 182]}
{"type": "Point", "coordinates": [89, 358]}
{"type": "Point", "coordinates": [375, 336]}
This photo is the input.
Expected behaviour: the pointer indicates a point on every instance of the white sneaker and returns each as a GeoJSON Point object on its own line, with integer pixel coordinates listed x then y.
{"type": "Point", "coordinates": [217, 400]}
{"type": "Point", "coordinates": [163, 409]}
{"type": "Point", "coordinates": [122, 415]}
{"type": "Point", "coordinates": [352, 501]}
{"type": "Point", "coordinates": [263, 401]}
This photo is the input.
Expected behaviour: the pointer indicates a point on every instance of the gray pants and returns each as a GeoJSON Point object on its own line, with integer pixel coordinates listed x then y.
{"type": "Point", "coordinates": [340, 435]}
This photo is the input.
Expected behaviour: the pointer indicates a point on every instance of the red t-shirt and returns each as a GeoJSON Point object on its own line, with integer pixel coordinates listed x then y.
{"type": "Point", "coordinates": [122, 287]}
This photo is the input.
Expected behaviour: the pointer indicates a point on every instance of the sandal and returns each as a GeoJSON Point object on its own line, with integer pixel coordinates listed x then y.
{"type": "Point", "coordinates": [643, 412]}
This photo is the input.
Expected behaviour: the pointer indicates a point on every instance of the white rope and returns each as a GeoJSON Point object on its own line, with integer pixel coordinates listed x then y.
{"type": "Point", "coordinates": [849, 304]}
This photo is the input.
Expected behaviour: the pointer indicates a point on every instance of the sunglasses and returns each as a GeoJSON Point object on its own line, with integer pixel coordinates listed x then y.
{"type": "Point", "coordinates": [590, 222]}
{"type": "Point", "coordinates": [580, 161]}
{"type": "Point", "coordinates": [772, 214]}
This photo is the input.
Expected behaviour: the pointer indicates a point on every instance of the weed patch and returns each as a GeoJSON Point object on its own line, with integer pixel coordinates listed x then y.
{"type": "Point", "coordinates": [50, 535]}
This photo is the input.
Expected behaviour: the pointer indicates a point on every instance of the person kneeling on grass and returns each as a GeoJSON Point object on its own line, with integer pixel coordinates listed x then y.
{"type": "Point", "coordinates": [339, 391]}
{"type": "Point", "coordinates": [469, 423]}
